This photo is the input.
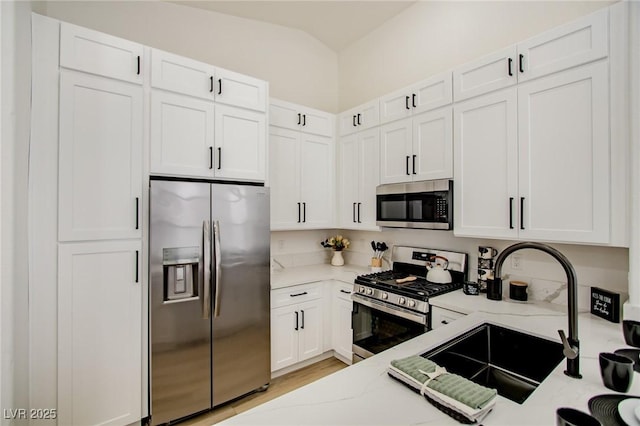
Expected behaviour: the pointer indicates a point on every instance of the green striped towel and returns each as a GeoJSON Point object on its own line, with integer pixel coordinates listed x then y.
{"type": "Point", "coordinates": [463, 390]}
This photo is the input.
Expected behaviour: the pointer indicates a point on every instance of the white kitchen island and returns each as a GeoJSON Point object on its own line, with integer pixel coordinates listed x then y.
{"type": "Point", "coordinates": [363, 394]}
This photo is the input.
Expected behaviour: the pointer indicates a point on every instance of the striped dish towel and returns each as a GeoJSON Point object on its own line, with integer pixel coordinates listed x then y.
{"type": "Point", "coordinates": [470, 399]}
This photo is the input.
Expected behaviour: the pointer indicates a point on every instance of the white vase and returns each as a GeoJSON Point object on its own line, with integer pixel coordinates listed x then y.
{"type": "Point", "coordinates": [337, 259]}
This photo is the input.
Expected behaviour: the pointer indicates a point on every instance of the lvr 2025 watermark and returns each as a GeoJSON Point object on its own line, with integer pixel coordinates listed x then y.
{"type": "Point", "coordinates": [29, 413]}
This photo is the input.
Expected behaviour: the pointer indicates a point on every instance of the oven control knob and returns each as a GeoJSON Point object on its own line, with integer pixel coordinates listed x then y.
{"type": "Point", "coordinates": [402, 300]}
{"type": "Point", "coordinates": [361, 290]}
{"type": "Point", "coordinates": [385, 296]}
{"type": "Point", "coordinates": [369, 291]}
{"type": "Point", "coordinates": [411, 303]}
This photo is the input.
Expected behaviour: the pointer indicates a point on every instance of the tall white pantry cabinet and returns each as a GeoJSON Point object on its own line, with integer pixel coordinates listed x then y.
{"type": "Point", "coordinates": [94, 108]}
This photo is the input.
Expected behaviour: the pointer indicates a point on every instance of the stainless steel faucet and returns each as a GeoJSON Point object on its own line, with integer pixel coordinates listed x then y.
{"type": "Point", "coordinates": [571, 344]}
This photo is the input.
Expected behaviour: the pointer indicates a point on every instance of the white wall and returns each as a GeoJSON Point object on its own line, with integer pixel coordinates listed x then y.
{"type": "Point", "coordinates": [298, 67]}
{"type": "Point", "coordinates": [15, 71]}
{"type": "Point", "coordinates": [434, 36]}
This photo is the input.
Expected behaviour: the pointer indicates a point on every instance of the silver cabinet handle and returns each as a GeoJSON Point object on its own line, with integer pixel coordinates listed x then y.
{"type": "Point", "coordinates": [217, 250]}
{"type": "Point", "coordinates": [205, 284]}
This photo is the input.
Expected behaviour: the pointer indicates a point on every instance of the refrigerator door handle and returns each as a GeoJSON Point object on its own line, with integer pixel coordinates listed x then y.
{"type": "Point", "coordinates": [206, 270]}
{"type": "Point", "coordinates": [216, 248]}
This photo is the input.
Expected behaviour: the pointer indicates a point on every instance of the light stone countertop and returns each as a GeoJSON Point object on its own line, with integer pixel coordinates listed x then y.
{"type": "Point", "coordinates": [363, 394]}
{"type": "Point", "coordinates": [286, 277]}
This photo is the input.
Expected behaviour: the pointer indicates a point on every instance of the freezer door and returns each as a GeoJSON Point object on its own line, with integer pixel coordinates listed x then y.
{"type": "Point", "coordinates": [241, 332]}
{"type": "Point", "coordinates": [180, 319]}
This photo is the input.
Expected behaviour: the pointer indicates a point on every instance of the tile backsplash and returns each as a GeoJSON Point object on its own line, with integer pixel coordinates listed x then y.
{"type": "Point", "coordinates": [605, 267]}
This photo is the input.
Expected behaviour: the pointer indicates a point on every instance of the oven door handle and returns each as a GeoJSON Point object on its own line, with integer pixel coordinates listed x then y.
{"type": "Point", "coordinates": [383, 307]}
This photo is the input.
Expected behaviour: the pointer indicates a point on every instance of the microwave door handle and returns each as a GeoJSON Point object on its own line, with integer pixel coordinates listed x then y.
{"type": "Point", "coordinates": [205, 276]}
{"type": "Point", "coordinates": [217, 251]}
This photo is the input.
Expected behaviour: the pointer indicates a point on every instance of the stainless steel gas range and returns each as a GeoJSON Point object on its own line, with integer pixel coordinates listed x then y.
{"type": "Point", "coordinates": [388, 309]}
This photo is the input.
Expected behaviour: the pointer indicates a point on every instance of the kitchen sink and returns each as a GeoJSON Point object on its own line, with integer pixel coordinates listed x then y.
{"type": "Point", "coordinates": [512, 362]}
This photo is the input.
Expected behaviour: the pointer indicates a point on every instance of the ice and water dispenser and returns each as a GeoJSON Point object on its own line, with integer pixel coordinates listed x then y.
{"type": "Point", "coordinates": [181, 271]}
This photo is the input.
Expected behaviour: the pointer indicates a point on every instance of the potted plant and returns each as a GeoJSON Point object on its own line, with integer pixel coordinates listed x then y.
{"type": "Point", "coordinates": [337, 244]}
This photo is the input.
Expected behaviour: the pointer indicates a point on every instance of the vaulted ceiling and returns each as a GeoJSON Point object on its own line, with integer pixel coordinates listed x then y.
{"type": "Point", "coordinates": [337, 24]}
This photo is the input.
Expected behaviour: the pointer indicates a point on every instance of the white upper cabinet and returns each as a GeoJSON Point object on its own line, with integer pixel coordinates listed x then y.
{"type": "Point", "coordinates": [360, 118]}
{"type": "Point", "coordinates": [545, 160]}
{"type": "Point", "coordinates": [301, 179]}
{"type": "Point", "coordinates": [193, 137]}
{"type": "Point", "coordinates": [575, 43]}
{"type": "Point", "coordinates": [578, 42]}
{"type": "Point", "coordinates": [240, 144]}
{"type": "Point", "coordinates": [189, 77]}
{"type": "Point", "coordinates": [240, 90]}
{"type": "Point", "coordinates": [100, 158]}
{"type": "Point", "coordinates": [182, 75]}
{"type": "Point", "coordinates": [485, 184]}
{"type": "Point", "coordinates": [297, 117]}
{"type": "Point", "coordinates": [563, 139]}
{"type": "Point", "coordinates": [429, 94]}
{"type": "Point", "coordinates": [94, 52]}
{"type": "Point", "coordinates": [417, 148]}
{"type": "Point", "coordinates": [492, 72]}
{"type": "Point", "coordinates": [359, 175]}
{"type": "Point", "coordinates": [182, 135]}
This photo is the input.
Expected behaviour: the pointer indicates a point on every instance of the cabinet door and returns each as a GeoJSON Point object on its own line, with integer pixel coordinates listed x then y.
{"type": "Point", "coordinates": [316, 181]}
{"type": "Point", "coordinates": [240, 90]}
{"type": "Point", "coordinates": [433, 145]}
{"type": "Point", "coordinates": [100, 159]}
{"type": "Point", "coordinates": [317, 122]}
{"type": "Point", "coordinates": [395, 152]}
{"type": "Point", "coordinates": [181, 135]}
{"type": "Point", "coordinates": [349, 181]}
{"type": "Point", "coordinates": [492, 72]}
{"type": "Point", "coordinates": [94, 52]}
{"type": "Point", "coordinates": [99, 333]}
{"type": "Point", "coordinates": [240, 144]}
{"type": "Point", "coordinates": [486, 166]}
{"type": "Point", "coordinates": [284, 114]}
{"type": "Point", "coordinates": [310, 333]}
{"type": "Point", "coordinates": [284, 172]}
{"type": "Point", "coordinates": [342, 335]}
{"type": "Point", "coordinates": [578, 42]}
{"type": "Point", "coordinates": [396, 105]}
{"type": "Point", "coordinates": [564, 156]}
{"type": "Point", "coordinates": [432, 93]}
{"type": "Point", "coordinates": [284, 337]}
{"type": "Point", "coordinates": [360, 118]}
{"type": "Point", "coordinates": [181, 75]}
{"type": "Point", "coordinates": [368, 177]}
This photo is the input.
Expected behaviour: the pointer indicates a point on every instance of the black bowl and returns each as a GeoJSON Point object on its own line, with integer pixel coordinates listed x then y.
{"type": "Point", "coordinates": [631, 332]}
{"type": "Point", "coordinates": [572, 417]}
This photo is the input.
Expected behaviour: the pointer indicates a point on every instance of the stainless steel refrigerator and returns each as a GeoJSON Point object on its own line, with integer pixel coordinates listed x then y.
{"type": "Point", "coordinates": [209, 295]}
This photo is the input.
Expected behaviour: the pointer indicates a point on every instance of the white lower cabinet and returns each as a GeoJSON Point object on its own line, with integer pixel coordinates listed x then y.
{"type": "Point", "coordinates": [296, 324]}
{"type": "Point", "coordinates": [441, 317]}
{"type": "Point", "coordinates": [99, 333]}
{"type": "Point", "coordinates": [341, 308]}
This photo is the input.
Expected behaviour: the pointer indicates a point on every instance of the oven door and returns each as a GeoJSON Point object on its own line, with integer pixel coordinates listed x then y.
{"type": "Point", "coordinates": [378, 326]}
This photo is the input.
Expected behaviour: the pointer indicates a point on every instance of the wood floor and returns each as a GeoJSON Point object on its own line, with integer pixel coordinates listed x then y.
{"type": "Point", "coordinates": [279, 386]}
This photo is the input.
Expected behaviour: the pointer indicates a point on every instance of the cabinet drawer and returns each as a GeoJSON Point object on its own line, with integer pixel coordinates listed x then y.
{"type": "Point", "coordinates": [94, 52]}
{"type": "Point", "coordinates": [295, 294]}
{"type": "Point", "coordinates": [343, 291]}
{"type": "Point", "coordinates": [441, 317]}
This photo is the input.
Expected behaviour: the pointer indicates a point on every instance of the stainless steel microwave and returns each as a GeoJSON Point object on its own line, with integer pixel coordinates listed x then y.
{"type": "Point", "coordinates": [424, 205]}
